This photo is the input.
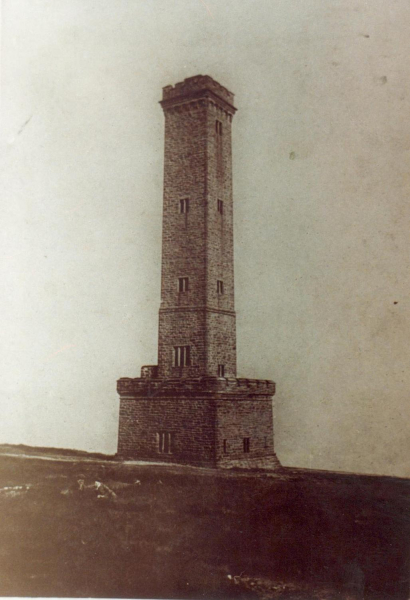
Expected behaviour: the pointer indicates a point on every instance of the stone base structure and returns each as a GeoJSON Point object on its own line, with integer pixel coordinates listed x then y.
{"type": "Point", "coordinates": [208, 421]}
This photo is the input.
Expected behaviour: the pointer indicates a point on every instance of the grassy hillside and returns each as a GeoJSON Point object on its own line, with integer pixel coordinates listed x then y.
{"type": "Point", "coordinates": [52, 452]}
{"type": "Point", "coordinates": [160, 532]}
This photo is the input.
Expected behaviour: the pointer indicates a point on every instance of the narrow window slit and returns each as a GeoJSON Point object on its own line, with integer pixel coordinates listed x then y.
{"type": "Point", "coordinates": [165, 442]}
{"type": "Point", "coordinates": [221, 370]}
{"type": "Point", "coordinates": [184, 206]}
{"type": "Point", "coordinates": [182, 356]}
{"type": "Point", "coordinates": [183, 284]}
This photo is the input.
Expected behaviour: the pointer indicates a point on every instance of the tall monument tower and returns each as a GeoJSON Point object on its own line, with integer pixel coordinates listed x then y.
{"type": "Point", "coordinates": [191, 407]}
{"type": "Point", "coordinates": [197, 292]}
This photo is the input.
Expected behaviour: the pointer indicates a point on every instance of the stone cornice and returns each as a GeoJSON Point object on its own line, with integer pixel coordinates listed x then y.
{"type": "Point", "coordinates": [194, 97]}
{"type": "Point", "coordinates": [220, 387]}
{"type": "Point", "coordinates": [195, 84]}
{"type": "Point", "coordinates": [197, 308]}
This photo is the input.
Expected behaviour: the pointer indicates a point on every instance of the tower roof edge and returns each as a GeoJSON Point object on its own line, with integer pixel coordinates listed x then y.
{"type": "Point", "coordinates": [194, 86]}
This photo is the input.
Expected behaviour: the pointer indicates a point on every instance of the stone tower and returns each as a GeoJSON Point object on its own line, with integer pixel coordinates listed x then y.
{"type": "Point", "coordinates": [191, 407]}
{"type": "Point", "coordinates": [197, 292]}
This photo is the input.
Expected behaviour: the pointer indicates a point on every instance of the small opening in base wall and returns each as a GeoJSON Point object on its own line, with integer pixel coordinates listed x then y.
{"type": "Point", "coordinates": [225, 446]}
{"type": "Point", "coordinates": [165, 442]}
{"type": "Point", "coordinates": [246, 444]}
{"type": "Point", "coordinates": [266, 442]}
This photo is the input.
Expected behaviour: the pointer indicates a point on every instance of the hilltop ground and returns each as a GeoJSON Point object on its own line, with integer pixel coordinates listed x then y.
{"type": "Point", "coordinates": [83, 526]}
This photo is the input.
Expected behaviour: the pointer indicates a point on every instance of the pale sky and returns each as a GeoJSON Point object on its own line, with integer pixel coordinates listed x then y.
{"type": "Point", "coordinates": [321, 161]}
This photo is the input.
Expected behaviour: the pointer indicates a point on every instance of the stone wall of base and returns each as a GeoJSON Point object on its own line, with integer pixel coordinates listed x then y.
{"type": "Point", "coordinates": [238, 420]}
{"type": "Point", "coordinates": [201, 431]}
{"type": "Point", "coordinates": [189, 421]}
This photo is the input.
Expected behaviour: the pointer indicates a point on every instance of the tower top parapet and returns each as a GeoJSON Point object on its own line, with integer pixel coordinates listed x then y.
{"type": "Point", "coordinates": [195, 87]}
{"type": "Point", "coordinates": [196, 386]}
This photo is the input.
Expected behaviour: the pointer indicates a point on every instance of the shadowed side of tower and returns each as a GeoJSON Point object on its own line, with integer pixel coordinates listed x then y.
{"type": "Point", "coordinates": [191, 407]}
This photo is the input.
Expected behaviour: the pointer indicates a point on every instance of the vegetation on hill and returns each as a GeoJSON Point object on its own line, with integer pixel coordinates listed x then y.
{"type": "Point", "coordinates": [55, 452]}
{"type": "Point", "coordinates": [83, 528]}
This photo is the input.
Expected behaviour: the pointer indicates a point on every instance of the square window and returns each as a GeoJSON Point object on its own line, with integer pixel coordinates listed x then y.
{"type": "Point", "coordinates": [182, 356]}
{"type": "Point", "coordinates": [183, 284]}
{"type": "Point", "coordinates": [246, 444]}
{"type": "Point", "coordinates": [220, 286]}
{"type": "Point", "coordinates": [184, 205]}
{"type": "Point", "coordinates": [220, 207]}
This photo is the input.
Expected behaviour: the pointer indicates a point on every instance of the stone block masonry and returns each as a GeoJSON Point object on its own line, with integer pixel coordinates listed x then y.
{"type": "Point", "coordinates": [208, 420]}
{"type": "Point", "coordinates": [198, 243]}
{"type": "Point", "coordinates": [191, 407]}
